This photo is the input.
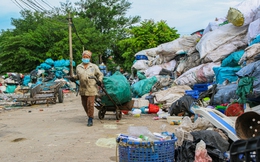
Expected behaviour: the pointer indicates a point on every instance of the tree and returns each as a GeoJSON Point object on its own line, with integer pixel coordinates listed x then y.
{"type": "Point", "coordinates": [109, 18]}
{"type": "Point", "coordinates": [148, 35]}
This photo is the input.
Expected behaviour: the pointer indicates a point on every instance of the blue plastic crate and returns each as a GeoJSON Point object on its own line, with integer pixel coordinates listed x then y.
{"type": "Point", "coordinates": [157, 151]}
{"type": "Point", "coordinates": [192, 92]}
{"type": "Point", "coordinates": [201, 87]}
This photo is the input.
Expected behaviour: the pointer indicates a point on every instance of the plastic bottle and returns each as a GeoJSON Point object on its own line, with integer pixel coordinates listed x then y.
{"type": "Point", "coordinates": [130, 138]}
{"type": "Point", "coordinates": [144, 138]}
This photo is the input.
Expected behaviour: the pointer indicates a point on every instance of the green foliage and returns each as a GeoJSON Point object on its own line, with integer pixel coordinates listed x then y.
{"type": "Point", "coordinates": [97, 25]}
{"type": "Point", "coordinates": [109, 18]}
{"type": "Point", "coordinates": [148, 35]}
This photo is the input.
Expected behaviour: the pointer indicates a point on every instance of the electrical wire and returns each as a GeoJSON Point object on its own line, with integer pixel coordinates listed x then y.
{"type": "Point", "coordinates": [18, 4]}
{"type": "Point", "coordinates": [29, 5]}
{"type": "Point", "coordinates": [36, 5]}
{"type": "Point", "coordinates": [47, 4]}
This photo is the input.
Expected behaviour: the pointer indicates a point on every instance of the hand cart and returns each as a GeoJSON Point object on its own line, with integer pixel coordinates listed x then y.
{"type": "Point", "coordinates": [116, 107]}
{"type": "Point", "coordinates": [46, 91]}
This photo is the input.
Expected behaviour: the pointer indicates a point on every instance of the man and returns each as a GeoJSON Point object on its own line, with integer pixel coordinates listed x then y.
{"type": "Point", "coordinates": [88, 87]}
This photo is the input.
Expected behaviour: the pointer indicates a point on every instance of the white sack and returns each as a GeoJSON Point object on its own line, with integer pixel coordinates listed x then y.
{"type": "Point", "coordinates": [253, 30]}
{"type": "Point", "coordinates": [243, 13]}
{"type": "Point", "coordinates": [200, 74]}
{"type": "Point", "coordinates": [140, 65]}
{"type": "Point", "coordinates": [250, 53]}
{"type": "Point", "coordinates": [213, 25]}
{"type": "Point", "coordinates": [169, 66]}
{"type": "Point", "coordinates": [169, 50]}
{"type": "Point", "coordinates": [219, 43]}
{"type": "Point", "coordinates": [181, 66]}
{"type": "Point", "coordinates": [150, 53]}
{"type": "Point", "coordinates": [171, 95]}
{"type": "Point", "coordinates": [153, 71]}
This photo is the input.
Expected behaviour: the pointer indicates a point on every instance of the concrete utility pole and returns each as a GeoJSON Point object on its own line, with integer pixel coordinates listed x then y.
{"type": "Point", "coordinates": [70, 45]}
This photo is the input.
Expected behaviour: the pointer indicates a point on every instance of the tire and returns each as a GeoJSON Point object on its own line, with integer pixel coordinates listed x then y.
{"type": "Point", "coordinates": [60, 96]}
{"type": "Point", "coordinates": [101, 114]}
{"type": "Point", "coordinates": [118, 114]}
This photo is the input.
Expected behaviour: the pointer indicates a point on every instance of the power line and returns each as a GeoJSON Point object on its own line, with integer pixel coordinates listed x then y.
{"type": "Point", "coordinates": [29, 5]}
{"type": "Point", "coordinates": [36, 5]}
{"type": "Point", "coordinates": [18, 4]}
{"type": "Point", "coordinates": [47, 4]}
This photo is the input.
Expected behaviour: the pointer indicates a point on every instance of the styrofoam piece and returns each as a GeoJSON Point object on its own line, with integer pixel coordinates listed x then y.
{"type": "Point", "coordinates": [218, 119]}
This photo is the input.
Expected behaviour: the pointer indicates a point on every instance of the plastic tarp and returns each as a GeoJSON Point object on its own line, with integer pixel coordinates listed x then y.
{"type": "Point", "coordinates": [218, 44]}
{"type": "Point", "coordinates": [233, 59]}
{"type": "Point", "coordinates": [167, 51]}
{"type": "Point", "coordinates": [252, 70]}
{"type": "Point", "coordinates": [256, 40]}
{"type": "Point", "coordinates": [250, 53]}
{"type": "Point", "coordinates": [225, 93]}
{"type": "Point", "coordinates": [143, 86]}
{"type": "Point", "coordinates": [253, 31]}
{"type": "Point", "coordinates": [118, 88]}
{"type": "Point", "coordinates": [226, 73]}
{"type": "Point", "coordinates": [26, 80]}
{"type": "Point", "coordinates": [49, 61]}
{"type": "Point", "coordinates": [200, 74]}
{"type": "Point", "coordinates": [243, 13]}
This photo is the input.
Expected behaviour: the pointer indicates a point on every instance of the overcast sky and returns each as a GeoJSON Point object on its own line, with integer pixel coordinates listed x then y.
{"type": "Point", "coordinates": [186, 16]}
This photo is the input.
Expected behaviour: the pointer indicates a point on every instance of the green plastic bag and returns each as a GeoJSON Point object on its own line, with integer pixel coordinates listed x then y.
{"type": "Point", "coordinates": [10, 88]}
{"type": "Point", "coordinates": [143, 86]}
{"type": "Point", "coordinates": [118, 88]}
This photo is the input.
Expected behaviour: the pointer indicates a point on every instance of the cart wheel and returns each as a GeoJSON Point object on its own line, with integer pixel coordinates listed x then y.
{"type": "Point", "coordinates": [101, 114]}
{"type": "Point", "coordinates": [118, 114]}
{"type": "Point", "coordinates": [60, 96]}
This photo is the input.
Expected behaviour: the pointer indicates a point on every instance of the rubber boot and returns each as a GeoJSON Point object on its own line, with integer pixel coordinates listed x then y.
{"type": "Point", "coordinates": [90, 122]}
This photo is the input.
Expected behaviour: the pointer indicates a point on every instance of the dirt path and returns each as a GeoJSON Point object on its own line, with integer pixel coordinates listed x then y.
{"type": "Point", "coordinates": [58, 132]}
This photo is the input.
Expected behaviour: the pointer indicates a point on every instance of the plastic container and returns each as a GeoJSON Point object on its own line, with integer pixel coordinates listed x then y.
{"type": "Point", "coordinates": [162, 151]}
{"type": "Point", "coordinates": [193, 93]}
{"type": "Point", "coordinates": [245, 150]}
{"type": "Point", "coordinates": [153, 108]}
{"type": "Point", "coordinates": [201, 87]}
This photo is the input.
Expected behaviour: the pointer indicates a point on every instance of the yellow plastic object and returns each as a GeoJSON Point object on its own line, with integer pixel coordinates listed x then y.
{"type": "Point", "coordinates": [235, 17]}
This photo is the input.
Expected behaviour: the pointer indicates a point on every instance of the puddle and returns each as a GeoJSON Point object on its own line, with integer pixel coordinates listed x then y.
{"type": "Point", "coordinates": [106, 142]}
{"type": "Point", "coordinates": [18, 139]}
{"type": "Point", "coordinates": [113, 158]}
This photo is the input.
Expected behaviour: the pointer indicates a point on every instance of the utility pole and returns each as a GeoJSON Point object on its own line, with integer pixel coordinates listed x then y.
{"type": "Point", "coordinates": [70, 45]}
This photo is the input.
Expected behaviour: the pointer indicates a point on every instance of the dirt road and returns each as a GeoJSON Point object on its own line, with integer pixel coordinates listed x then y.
{"type": "Point", "coordinates": [58, 132]}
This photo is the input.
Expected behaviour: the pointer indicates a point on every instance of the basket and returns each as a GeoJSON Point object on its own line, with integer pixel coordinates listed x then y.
{"type": "Point", "coordinates": [245, 150]}
{"type": "Point", "coordinates": [248, 125]}
{"type": "Point", "coordinates": [159, 151]}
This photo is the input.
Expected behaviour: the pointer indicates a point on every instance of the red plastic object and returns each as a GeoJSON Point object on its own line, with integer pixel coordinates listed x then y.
{"type": "Point", "coordinates": [153, 108]}
{"type": "Point", "coordinates": [234, 109]}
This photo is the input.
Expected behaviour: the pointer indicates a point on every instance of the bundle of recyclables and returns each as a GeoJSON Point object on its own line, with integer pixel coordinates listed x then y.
{"type": "Point", "coordinates": [146, 146]}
